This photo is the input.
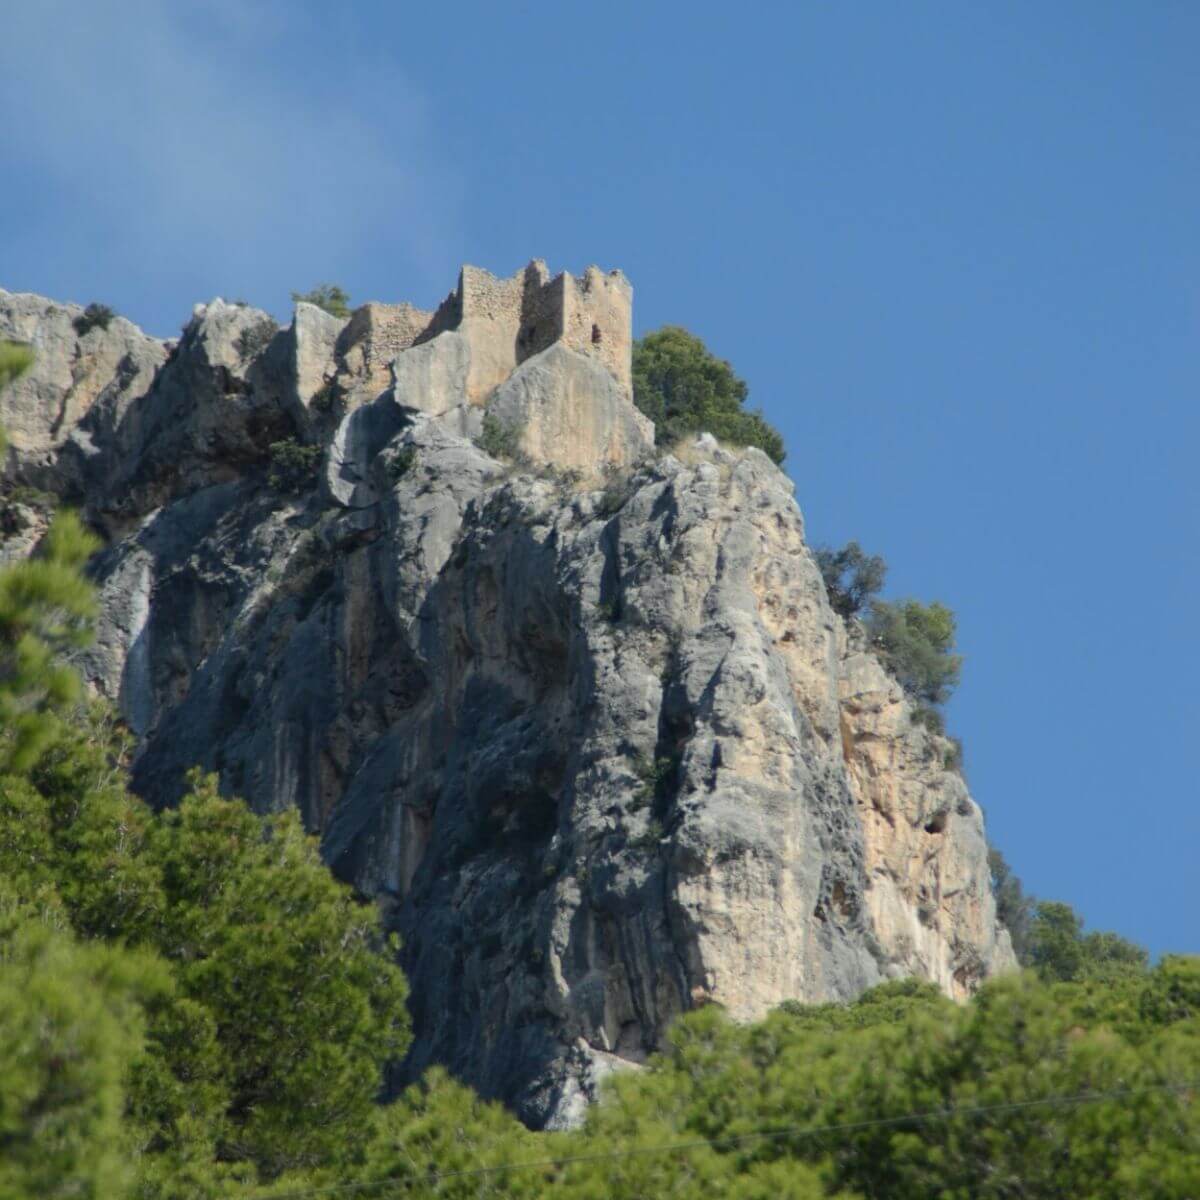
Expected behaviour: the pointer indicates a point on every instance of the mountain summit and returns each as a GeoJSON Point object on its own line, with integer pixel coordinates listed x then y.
{"type": "Point", "coordinates": [575, 711]}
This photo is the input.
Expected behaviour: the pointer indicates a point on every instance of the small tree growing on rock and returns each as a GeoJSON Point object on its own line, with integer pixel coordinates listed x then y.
{"type": "Point", "coordinates": [684, 388]}
{"type": "Point", "coordinates": [915, 641]}
{"type": "Point", "coordinates": [95, 316]}
{"type": "Point", "coordinates": [333, 299]}
{"type": "Point", "coordinates": [852, 577]}
{"type": "Point", "coordinates": [293, 465]}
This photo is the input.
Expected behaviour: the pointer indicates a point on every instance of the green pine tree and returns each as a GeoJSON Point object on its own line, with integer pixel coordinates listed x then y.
{"type": "Point", "coordinates": [684, 388]}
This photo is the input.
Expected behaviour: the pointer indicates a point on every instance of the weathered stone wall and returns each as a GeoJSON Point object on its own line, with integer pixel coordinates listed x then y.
{"type": "Point", "coordinates": [375, 335]}
{"type": "Point", "coordinates": [510, 320]}
{"type": "Point", "coordinates": [493, 313]}
{"type": "Point", "coordinates": [597, 320]}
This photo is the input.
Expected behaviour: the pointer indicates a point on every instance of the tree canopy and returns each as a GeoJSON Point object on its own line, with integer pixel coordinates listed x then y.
{"type": "Point", "coordinates": [916, 643]}
{"type": "Point", "coordinates": [852, 577]}
{"type": "Point", "coordinates": [329, 296]}
{"type": "Point", "coordinates": [684, 388]}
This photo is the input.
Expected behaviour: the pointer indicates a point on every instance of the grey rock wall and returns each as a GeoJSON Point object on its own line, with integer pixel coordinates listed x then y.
{"type": "Point", "coordinates": [600, 750]}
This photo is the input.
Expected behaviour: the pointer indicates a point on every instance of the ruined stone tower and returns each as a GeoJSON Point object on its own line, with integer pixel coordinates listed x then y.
{"type": "Point", "coordinates": [548, 357]}
{"type": "Point", "coordinates": [505, 322]}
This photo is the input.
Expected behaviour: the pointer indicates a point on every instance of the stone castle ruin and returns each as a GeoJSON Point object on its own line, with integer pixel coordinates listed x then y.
{"type": "Point", "coordinates": [506, 321]}
{"type": "Point", "coordinates": [549, 357]}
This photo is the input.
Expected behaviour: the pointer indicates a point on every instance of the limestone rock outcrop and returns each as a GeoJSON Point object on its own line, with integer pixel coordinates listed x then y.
{"type": "Point", "coordinates": [564, 408]}
{"type": "Point", "coordinates": [592, 738]}
{"type": "Point", "coordinates": [83, 381]}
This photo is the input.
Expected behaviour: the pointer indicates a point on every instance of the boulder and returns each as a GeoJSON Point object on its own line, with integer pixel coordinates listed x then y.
{"type": "Point", "coordinates": [568, 411]}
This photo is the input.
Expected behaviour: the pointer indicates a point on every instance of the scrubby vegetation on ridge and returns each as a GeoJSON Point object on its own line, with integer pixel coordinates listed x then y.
{"type": "Point", "coordinates": [95, 316]}
{"type": "Point", "coordinates": [498, 439]}
{"type": "Point", "coordinates": [852, 577]}
{"type": "Point", "coordinates": [333, 299]}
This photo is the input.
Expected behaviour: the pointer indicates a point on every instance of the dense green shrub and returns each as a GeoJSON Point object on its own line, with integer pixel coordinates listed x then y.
{"type": "Point", "coordinates": [95, 316]}
{"type": "Point", "coordinates": [684, 388]}
{"type": "Point", "coordinates": [852, 577]}
{"type": "Point", "coordinates": [285, 1002]}
{"type": "Point", "coordinates": [915, 641]}
{"type": "Point", "coordinates": [328, 296]}
{"type": "Point", "coordinates": [293, 465]}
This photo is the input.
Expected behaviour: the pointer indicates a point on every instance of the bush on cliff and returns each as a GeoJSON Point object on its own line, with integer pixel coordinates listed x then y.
{"type": "Point", "coordinates": [72, 1019]}
{"type": "Point", "coordinates": [1058, 949]}
{"type": "Point", "coordinates": [293, 465]}
{"type": "Point", "coordinates": [852, 577]}
{"type": "Point", "coordinates": [328, 296]}
{"type": "Point", "coordinates": [95, 316]}
{"type": "Point", "coordinates": [684, 388]}
{"type": "Point", "coordinates": [915, 641]}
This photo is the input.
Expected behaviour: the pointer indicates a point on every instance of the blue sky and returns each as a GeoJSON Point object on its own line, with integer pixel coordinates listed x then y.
{"type": "Point", "coordinates": [953, 249]}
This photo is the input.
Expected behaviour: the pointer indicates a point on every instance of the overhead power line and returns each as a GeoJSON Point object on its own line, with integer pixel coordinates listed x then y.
{"type": "Point", "coordinates": [794, 1131]}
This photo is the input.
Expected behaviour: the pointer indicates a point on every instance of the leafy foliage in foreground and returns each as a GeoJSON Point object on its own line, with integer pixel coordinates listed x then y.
{"type": "Point", "coordinates": [71, 1020]}
{"type": "Point", "coordinates": [45, 610]}
{"type": "Point", "coordinates": [902, 1049]}
{"type": "Point", "coordinates": [684, 388]}
{"type": "Point", "coordinates": [284, 1002]}
{"type": "Point", "coordinates": [15, 359]}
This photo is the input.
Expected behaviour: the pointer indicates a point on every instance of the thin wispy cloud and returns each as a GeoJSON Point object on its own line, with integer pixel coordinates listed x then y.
{"type": "Point", "coordinates": [154, 148]}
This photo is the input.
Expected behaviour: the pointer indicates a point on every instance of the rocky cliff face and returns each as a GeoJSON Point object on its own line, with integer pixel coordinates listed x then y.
{"type": "Point", "coordinates": [580, 719]}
